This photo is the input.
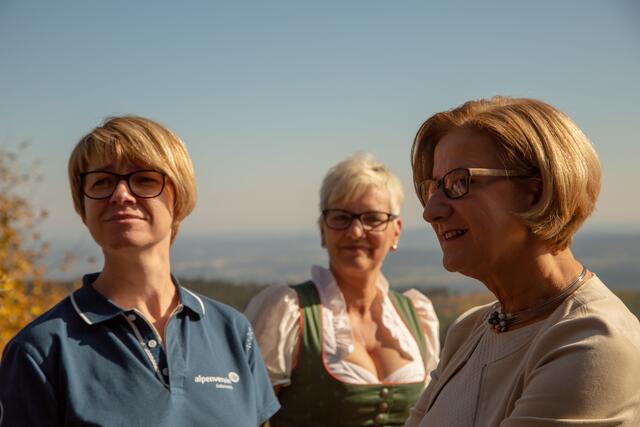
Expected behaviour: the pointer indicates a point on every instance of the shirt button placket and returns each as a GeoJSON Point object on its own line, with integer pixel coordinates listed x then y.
{"type": "Point", "coordinates": [150, 341]}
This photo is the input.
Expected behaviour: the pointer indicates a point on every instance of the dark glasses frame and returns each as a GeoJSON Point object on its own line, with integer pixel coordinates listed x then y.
{"type": "Point", "coordinates": [120, 177]}
{"type": "Point", "coordinates": [382, 227]}
{"type": "Point", "coordinates": [424, 185]}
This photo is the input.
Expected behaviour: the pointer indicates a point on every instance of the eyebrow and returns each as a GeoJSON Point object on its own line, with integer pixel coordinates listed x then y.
{"type": "Point", "coordinates": [110, 167]}
{"type": "Point", "coordinates": [101, 169]}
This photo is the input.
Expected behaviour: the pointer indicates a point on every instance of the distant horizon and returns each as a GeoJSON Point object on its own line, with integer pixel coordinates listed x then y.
{"type": "Point", "coordinates": [586, 229]}
{"type": "Point", "coordinates": [283, 258]}
{"type": "Point", "coordinates": [424, 230]}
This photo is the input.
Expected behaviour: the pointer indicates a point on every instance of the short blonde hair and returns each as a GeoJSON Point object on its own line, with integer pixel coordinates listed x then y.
{"type": "Point", "coordinates": [531, 135]}
{"type": "Point", "coordinates": [137, 141]}
{"type": "Point", "coordinates": [353, 176]}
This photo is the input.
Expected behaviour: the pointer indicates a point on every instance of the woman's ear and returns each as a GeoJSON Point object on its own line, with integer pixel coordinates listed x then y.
{"type": "Point", "coordinates": [528, 192]}
{"type": "Point", "coordinates": [398, 226]}
{"type": "Point", "coordinates": [396, 237]}
{"type": "Point", "coordinates": [531, 189]}
{"type": "Point", "coordinates": [535, 190]}
{"type": "Point", "coordinates": [322, 241]}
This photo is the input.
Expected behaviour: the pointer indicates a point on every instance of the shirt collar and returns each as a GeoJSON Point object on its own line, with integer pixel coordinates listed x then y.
{"type": "Point", "coordinates": [189, 299]}
{"type": "Point", "coordinates": [93, 307]}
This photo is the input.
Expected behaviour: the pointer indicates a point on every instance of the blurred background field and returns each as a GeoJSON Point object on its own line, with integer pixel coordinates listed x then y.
{"type": "Point", "coordinates": [448, 305]}
{"type": "Point", "coordinates": [233, 268]}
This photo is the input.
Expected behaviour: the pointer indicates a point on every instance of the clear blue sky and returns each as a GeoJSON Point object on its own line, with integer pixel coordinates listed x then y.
{"type": "Point", "coordinates": [268, 95]}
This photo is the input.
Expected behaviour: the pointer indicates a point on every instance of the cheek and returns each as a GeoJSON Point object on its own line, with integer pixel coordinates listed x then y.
{"type": "Point", "coordinates": [90, 212]}
{"type": "Point", "coordinates": [329, 240]}
{"type": "Point", "coordinates": [382, 244]}
{"type": "Point", "coordinates": [160, 207]}
{"type": "Point", "coordinates": [169, 199]}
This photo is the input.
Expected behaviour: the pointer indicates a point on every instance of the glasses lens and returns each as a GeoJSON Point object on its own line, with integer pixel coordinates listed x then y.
{"type": "Point", "coordinates": [456, 183]}
{"type": "Point", "coordinates": [99, 185]}
{"type": "Point", "coordinates": [338, 220]}
{"type": "Point", "coordinates": [427, 189]}
{"type": "Point", "coordinates": [146, 183]}
{"type": "Point", "coordinates": [375, 220]}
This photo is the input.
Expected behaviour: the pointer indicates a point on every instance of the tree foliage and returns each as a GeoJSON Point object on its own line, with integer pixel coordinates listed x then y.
{"type": "Point", "coordinates": [24, 294]}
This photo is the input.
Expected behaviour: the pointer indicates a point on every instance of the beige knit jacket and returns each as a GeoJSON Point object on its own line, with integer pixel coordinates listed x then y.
{"type": "Point", "coordinates": [582, 368]}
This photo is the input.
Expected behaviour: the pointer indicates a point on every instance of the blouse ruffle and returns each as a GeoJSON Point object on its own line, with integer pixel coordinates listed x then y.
{"type": "Point", "coordinates": [275, 315]}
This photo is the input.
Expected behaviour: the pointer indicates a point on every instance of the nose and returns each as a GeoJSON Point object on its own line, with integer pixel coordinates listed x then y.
{"type": "Point", "coordinates": [437, 208]}
{"type": "Point", "coordinates": [121, 194]}
{"type": "Point", "coordinates": [356, 229]}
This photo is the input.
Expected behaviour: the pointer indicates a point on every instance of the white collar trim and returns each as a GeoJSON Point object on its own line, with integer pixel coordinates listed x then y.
{"type": "Point", "coordinates": [338, 337]}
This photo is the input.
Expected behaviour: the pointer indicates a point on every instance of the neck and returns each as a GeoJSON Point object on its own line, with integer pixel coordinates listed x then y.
{"type": "Point", "coordinates": [140, 280]}
{"type": "Point", "coordinates": [532, 279]}
{"type": "Point", "coordinates": [359, 290]}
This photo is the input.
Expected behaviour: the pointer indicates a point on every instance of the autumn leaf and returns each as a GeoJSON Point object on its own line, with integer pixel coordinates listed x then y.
{"type": "Point", "coordinates": [24, 294]}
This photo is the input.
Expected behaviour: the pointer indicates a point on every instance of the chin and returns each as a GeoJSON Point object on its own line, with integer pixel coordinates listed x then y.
{"type": "Point", "coordinates": [126, 241]}
{"type": "Point", "coordinates": [353, 266]}
{"type": "Point", "coordinates": [451, 268]}
{"type": "Point", "coordinates": [451, 264]}
{"type": "Point", "coordinates": [121, 244]}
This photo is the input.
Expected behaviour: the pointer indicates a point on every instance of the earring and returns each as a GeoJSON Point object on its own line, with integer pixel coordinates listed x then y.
{"type": "Point", "coordinates": [394, 247]}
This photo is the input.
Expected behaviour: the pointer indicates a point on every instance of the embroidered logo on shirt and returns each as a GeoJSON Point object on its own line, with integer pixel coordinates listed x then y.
{"type": "Point", "coordinates": [248, 341]}
{"type": "Point", "coordinates": [220, 382]}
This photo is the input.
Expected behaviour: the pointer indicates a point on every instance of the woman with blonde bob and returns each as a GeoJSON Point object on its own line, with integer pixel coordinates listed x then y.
{"type": "Point", "coordinates": [132, 347]}
{"type": "Point", "coordinates": [505, 183]}
{"type": "Point", "coordinates": [343, 349]}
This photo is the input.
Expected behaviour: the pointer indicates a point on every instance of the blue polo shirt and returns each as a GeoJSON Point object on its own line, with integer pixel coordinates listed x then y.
{"type": "Point", "coordinates": [88, 362]}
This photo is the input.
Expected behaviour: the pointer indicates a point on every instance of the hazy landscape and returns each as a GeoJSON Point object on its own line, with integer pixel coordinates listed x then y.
{"type": "Point", "coordinates": [283, 259]}
{"type": "Point", "coordinates": [232, 269]}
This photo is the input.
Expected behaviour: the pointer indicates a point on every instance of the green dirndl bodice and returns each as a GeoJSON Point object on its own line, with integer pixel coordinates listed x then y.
{"type": "Point", "coordinates": [315, 398]}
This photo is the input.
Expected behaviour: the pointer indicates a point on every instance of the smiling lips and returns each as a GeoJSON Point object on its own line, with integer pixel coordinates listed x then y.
{"type": "Point", "coordinates": [452, 234]}
{"type": "Point", "coordinates": [355, 248]}
{"type": "Point", "coordinates": [122, 217]}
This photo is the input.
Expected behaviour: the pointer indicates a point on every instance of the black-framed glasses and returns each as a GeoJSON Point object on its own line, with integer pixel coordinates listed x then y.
{"type": "Point", "coordinates": [145, 184]}
{"type": "Point", "coordinates": [457, 182]}
{"type": "Point", "coordinates": [339, 219]}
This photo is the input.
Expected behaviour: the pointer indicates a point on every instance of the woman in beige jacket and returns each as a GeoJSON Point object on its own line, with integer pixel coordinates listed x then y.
{"type": "Point", "coordinates": [505, 183]}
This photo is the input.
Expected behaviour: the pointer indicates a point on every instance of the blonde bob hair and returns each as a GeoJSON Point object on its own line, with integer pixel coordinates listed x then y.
{"type": "Point", "coordinates": [353, 176]}
{"type": "Point", "coordinates": [531, 135]}
{"type": "Point", "coordinates": [133, 140]}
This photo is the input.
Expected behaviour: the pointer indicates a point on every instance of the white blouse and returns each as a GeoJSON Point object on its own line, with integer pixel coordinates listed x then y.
{"type": "Point", "coordinates": [275, 315]}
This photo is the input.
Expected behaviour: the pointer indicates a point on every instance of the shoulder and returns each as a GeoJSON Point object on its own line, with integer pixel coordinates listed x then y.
{"type": "Point", "coordinates": [226, 327]}
{"type": "Point", "coordinates": [594, 321]}
{"type": "Point", "coordinates": [420, 302]}
{"type": "Point", "coordinates": [277, 301]}
{"type": "Point", "coordinates": [583, 359]}
{"type": "Point", "coordinates": [424, 310]}
{"type": "Point", "coordinates": [219, 313]}
{"type": "Point", "coordinates": [274, 294]}
{"type": "Point", "coordinates": [596, 302]}
{"type": "Point", "coordinates": [48, 330]}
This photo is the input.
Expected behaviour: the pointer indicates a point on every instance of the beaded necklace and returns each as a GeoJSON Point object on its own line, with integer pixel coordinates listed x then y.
{"type": "Point", "coordinates": [501, 322]}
